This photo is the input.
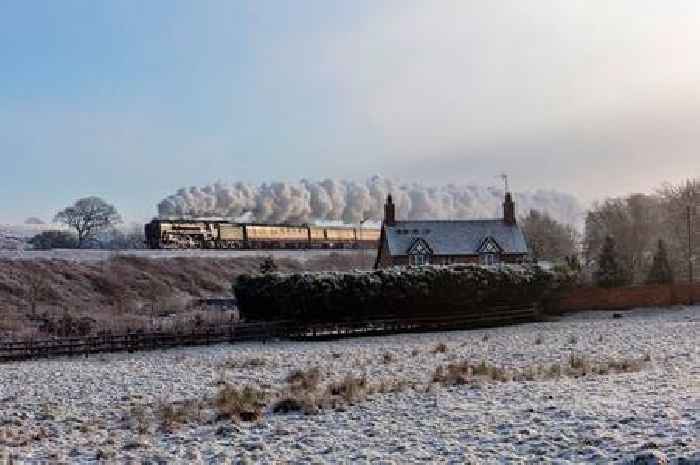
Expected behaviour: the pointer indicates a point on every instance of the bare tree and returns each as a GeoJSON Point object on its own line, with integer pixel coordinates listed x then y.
{"type": "Point", "coordinates": [36, 292]}
{"type": "Point", "coordinates": [88, 216]}
{"type": "Point", "coordinates": [638, 221]}
{"type": "Point", "coordinates": [634, 222]}
{"type": "Point", "coordinates": [547, 238]}
{"type": "Point", "coordinates": [676, 200]}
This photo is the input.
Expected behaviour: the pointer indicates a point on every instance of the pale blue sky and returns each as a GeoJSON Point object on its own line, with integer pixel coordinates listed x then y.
{"type": "Point", "coordinates": [131, 100]}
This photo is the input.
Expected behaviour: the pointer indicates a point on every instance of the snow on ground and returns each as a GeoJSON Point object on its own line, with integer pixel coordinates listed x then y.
{"type": "Point", "coordinates": [74, 410]}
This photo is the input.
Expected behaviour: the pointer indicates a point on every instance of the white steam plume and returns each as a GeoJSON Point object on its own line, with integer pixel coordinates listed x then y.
{"type": "Point", "coordinates": [352, 202]}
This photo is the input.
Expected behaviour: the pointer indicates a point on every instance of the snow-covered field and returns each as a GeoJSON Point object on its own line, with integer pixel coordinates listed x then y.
{"type": "Point", "coordinates": [99, 255]}
{"type": "Point", "coordinates": [76, 410]}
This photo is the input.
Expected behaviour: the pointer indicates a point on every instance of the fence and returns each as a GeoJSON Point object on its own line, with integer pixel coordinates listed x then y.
{"type": "Point", "coordinates": [130, 342]}
{"type": "Point", "coordinates": [239, 332]}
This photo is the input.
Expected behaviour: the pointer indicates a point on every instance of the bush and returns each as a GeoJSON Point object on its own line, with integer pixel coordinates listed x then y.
{"type": "Point", "coordinates": [54, 240]}
{"type": "Point", "coordinates": [413, 292]}
{"type": "Point", "coordinates": [268, 265]}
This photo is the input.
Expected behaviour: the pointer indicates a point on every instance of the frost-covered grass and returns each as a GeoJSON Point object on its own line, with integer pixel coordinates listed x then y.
{"type": "Point", "coordinates": [365, 399]}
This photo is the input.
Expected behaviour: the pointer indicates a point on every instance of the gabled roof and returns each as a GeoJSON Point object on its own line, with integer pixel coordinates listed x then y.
{"type": "Point", "coordinates": [419, 247]}
{"type": "Point", "coordinates": [463, 237]}
{"type": "Point", "coordinates": [489, 245]}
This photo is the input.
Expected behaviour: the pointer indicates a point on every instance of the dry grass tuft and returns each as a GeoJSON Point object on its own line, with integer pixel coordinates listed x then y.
{"type": "Point", "coordinates": [440, 348]}
{"type": "Point", "coordinates": [350, 389]}
{"type": "Point", "coordinates": [304, 380]}
{"type": "Point", "coordinates": [579, 362]}
{"type": "Point", "coordinates": [240, 404]}
{"type": "Point", "coordinates": [175, 414]}
{"type": "Point", "coordinates": [140, 419]}
{"type": "Point", "coordinates": [466, 373]}
{"type": "Point", "coordinates": [576, 366]}
{"type": "Point", "coordinates": [287, 404]}
{"type": "Point", "coordinates": [253, 362]}
{"type": "Point", "coordinates": [391, 385]}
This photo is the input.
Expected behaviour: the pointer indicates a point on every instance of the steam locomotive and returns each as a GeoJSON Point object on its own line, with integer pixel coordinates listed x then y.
{"type": "Point", "coordinates": [223, 234]}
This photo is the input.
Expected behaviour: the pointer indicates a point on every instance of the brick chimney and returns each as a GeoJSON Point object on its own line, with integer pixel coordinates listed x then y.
{"type": "Point", "coordinates": [389, 212]}
{"type": "Point", "coordinates": [509, 209]}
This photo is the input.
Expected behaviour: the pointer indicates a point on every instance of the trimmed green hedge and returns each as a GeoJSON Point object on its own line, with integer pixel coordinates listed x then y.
{"type": "Point", "coordinates": [389, 293]}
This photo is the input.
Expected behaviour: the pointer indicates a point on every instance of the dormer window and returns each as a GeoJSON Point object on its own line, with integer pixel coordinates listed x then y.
{"type": "Point", "coordinates": [419, 253]}
{"type": "Point", "coordinates": [489, 251]}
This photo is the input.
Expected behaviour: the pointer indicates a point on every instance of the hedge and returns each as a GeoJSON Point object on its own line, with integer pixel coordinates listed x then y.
{"type": "Point", "coordinates": [389, 293]}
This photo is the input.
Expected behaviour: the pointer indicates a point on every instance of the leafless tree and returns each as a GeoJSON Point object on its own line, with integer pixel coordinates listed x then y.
{"type": "Point", "coordinates": [547, 238]}
{"type": "Point", "coordinates": [633, 222]}
{"type": "Point", "coordinates": [639, 221]}
{"type": "Point", "coordinates": [36, 292]}
{"type": "Point", "coordinates": [88, 216]}
{"type": "Point", "coordinates": [676, 198]}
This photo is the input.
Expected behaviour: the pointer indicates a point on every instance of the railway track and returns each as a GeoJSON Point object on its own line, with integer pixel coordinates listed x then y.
{"type": "Point", "coordinates": [93, 255]}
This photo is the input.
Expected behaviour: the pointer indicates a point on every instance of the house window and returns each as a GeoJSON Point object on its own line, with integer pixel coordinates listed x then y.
{"type": "Point", "coordinates": [488, 258]}
{"type": "Point", "coordinates": [419, 260]}
{"type": "Point", "coordinates": [419, 253]}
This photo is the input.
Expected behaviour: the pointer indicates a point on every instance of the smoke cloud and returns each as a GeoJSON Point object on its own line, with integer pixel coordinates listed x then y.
{"type": "Point", "coordinates": [351, 202]}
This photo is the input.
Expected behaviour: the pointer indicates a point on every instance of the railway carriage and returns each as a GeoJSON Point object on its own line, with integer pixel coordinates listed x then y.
{"type": "Point", "coordinates": [277, 237]}
{"type": "Point", "coordinates": [222, 234]}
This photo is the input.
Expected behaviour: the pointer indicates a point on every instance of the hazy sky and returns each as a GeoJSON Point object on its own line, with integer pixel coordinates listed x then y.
{"type": "Point", "coordinates": [131, 100]}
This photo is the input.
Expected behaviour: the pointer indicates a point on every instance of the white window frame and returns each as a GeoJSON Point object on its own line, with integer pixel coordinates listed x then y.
{"type": "Point", "coordinates": [419, 259]}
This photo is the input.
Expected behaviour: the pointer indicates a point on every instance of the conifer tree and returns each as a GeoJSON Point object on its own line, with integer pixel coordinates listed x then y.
{"type": "Point", "coordinates": [660, 271]}
{"type": "Point", "coordinates": [610, 273]}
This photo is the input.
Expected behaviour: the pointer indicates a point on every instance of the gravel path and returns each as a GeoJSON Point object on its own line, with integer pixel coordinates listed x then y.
{"type": "Point", "coordinates": [96, 410]}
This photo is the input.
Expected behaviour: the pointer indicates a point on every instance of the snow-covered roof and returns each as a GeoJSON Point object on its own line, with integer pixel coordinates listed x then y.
{"type": "Point", "coordinates": [463, 237]}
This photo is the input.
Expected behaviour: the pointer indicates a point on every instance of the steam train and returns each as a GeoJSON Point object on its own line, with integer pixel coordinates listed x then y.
{"type": "Point", "coordinates": [222, 234]}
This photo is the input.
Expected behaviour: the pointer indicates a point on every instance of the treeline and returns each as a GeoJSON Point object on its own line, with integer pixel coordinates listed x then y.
{"type": "Point", "coordinates": [643, 237]}
{"type": "Point", "coordinates": [390, 293]}
{"type": "Point", "coordinates": [636, 238]}
{"type": "Point", "coordinates": [92, 223]}
{"type": "Point", "coordinates": [113, 238]}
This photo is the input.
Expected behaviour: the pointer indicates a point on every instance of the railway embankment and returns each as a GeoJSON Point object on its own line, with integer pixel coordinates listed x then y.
{"type": "Point", "coordinates": [127, 292]}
